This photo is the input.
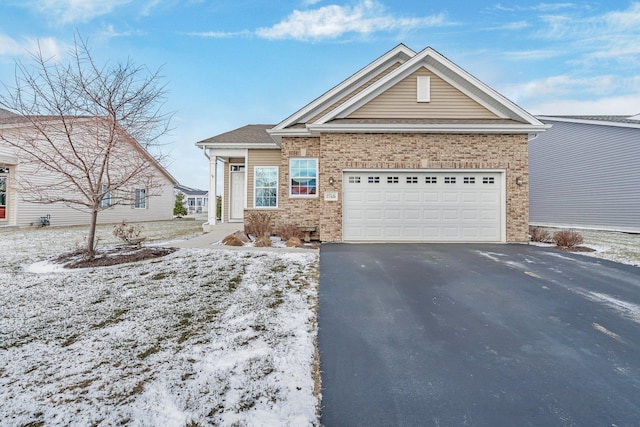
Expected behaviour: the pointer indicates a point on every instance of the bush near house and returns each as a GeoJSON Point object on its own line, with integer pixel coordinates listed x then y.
{"type": "Point", "coordinates": [258, 224]}
{"type": "Point", "coordinates": [567, 239]}
{"type": "Point", "coordinates": [289, 230]}
{"type": "Point", "coordinates": [539, 234]}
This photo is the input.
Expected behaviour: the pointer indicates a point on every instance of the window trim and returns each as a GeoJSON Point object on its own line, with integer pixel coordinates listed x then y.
{"type": "Point", "coordinates": [304, 196]}
{"type": "Point", "coordinates": [106, 199]}
{"type": "Point", "coordinates": [277, 187]}
{"type": "Point", "coordinates": [136, 200]}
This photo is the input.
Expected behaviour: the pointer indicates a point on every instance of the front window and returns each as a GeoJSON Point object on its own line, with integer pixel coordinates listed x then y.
{"type": "Point", "coordinates": [304, 174]}
{"type": "Point", "coordinates": [140, 201]}
{"type": "Point", "coordinates": [266, 186]}
{"type": "Point", "coordinates": [106, 198]}
{"type": "Point", "coordinates": [3, 192]}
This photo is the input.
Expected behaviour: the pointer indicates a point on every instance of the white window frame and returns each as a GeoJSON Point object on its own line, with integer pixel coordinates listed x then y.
{"type": "Point", "coordinates": [106, 198]}
{"type": "Point", "coordinates": [140, 202]}
{"type": "Point", "coordinates": [255, 186]}
{"type": "Point", "coordinates": [304, 196]}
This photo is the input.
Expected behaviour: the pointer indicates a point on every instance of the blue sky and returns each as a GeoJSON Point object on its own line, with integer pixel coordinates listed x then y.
{"type": "Point", "coordinates": [231, 63]}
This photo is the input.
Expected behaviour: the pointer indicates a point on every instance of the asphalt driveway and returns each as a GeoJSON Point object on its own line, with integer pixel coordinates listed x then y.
{"type": "Point", "coordinates": [487, 335]}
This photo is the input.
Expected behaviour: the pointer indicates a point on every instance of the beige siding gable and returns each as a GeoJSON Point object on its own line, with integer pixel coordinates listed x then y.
{"type": "Point", "coordinates": [400, 102]}
{"type": "Point", "coordinates": [355, 92]}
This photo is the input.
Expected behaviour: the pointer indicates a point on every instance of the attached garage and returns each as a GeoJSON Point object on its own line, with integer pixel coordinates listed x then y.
{"type": "Point", "coordinates": [436, 206]}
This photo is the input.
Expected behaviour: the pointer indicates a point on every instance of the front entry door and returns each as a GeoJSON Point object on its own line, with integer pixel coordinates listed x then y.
{"type": "Point", "coordinates": [237, 196]}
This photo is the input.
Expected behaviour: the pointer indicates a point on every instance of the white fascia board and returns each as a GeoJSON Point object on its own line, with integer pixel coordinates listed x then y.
{"type": "Point", "coordinates": [400, 51]}
{"type": "Point", "coordinates": [589, 122]}
{"type": "Point", "coordinates": [421, 128]}
{"type": "Point", "coordinates": [414, 64]}
{"type": "Point", "coordinates": [234, 146]}
{"type": "Point", "coordinates": [520, 112]}
{"type": "Point", "coordinates": [221, 152]}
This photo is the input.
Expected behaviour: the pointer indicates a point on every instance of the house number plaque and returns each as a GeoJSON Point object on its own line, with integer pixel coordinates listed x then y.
{"type": "Point", "coordinates": [331, 196]}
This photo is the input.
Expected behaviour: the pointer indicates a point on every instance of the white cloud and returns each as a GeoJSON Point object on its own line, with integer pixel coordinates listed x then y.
{"type": "Point", "coordinates": [50, 47]}
{"type": "Point", "coordinates": [333, 21]}
{"type": "Point", "coordinates": [220, 34]}
{"type": "Point", "coordinates": [70, 11]}
{"type": "Point", "coordinates": [612, 105]}
{"type": "Point", "coordinates": [558, 86]}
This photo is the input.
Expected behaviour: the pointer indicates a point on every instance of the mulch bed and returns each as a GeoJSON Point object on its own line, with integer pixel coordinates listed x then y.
{"type": "Point", "coordinates": [114, 256]}
{"type": "Point", "coordinates": [575, 249]}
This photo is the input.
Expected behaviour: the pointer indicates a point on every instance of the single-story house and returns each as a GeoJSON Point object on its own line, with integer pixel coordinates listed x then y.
{"type": "Point", "coordinates": [195, 201]}
{"type": "Point", "coordinates": [410, 148]}
{"type": "Point", "coordinates": [585, 173]}
{"type": "Point", "coordinates": [26, 183]}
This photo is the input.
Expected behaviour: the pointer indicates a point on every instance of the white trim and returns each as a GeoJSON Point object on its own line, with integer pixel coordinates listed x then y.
{"type": "Point", "coordinates": [589, 122]}
{"type": "Point", "coordinates": [398, 53]}
{"type": "Point", "coordinates": [277, 168]}
{"type": "Point", "coordinates": [136, 200]}
{"type": "Point", "coordinates": [425, 128]}
{"type": "Point", "coordinates": [307, 196]}
{"type": "Point", "coordinates": [244, 204]}
{"type": "Point", "coordinates": [421, 59]}
{"type": "Point", "coordinates": [219, 146]}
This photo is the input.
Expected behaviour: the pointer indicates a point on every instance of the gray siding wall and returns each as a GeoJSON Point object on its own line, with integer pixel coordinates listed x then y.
{"type": "Point", "coordinates": [585, 175]}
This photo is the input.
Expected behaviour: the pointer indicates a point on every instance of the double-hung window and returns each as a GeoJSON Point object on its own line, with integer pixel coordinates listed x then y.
{"type": "Point", "coordinates": [106, 196]}
{"type": "Point", "coordinates": [140, 198]}
{"type": "Point", "coordinates": [303, 177]}
{"type": "Point", "coordinates": [265, 187]}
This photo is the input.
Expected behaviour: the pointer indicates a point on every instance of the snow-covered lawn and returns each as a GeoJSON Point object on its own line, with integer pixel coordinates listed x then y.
{"type": "Point", "coordinates": [610, 245]}
{"type": "Point", "coordinates": [199, 337]}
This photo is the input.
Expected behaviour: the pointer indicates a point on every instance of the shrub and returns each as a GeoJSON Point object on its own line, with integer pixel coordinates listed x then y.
{"type": "Point", "coordinates": [258, 224]}
{"type": "Point", "coordinates": [263, 241]}
{"type": "Point", "coordinates": [130, 234]}
{"type": "Point", "coordinates": [232, 240]}
{"type": "Point", "coordinates": [539, 234]}
{"type": "Point", "coordinates": [567, 239]}
{"type": "Point", "coordinates": [293, 242]}
{"type": "Point", "coordinates": [289, 230]}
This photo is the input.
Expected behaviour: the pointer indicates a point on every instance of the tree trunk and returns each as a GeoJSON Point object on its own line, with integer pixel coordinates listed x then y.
{"type": "Point", "coordinates": [91, 238]}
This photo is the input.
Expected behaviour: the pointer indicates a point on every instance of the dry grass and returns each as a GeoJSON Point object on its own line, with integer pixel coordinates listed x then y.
{"type": "Point", "coordinates": [539, 234]}
{"type": "Point", "coordinates": [289, 230]}
{"type": "Point", "coordinates": [258, 224]}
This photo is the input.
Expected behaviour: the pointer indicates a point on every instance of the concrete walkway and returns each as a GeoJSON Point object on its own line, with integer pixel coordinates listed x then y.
{"type": "Point", "coordinates": [209, 240]}
{"type": "Point", "coordinates": [220, 231]}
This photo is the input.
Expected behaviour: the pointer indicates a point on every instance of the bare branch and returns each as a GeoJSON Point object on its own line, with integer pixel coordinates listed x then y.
{"type": "Point", "coordinates": [87, 127]}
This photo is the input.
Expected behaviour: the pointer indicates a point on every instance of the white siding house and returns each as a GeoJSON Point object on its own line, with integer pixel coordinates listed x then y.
{"type": "Point", "coordinates": [584, 172]}
{"type": "Point", "coordinates": [149, 199]}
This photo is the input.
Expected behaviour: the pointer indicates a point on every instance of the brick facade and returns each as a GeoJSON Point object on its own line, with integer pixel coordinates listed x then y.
{"type": "Point", "coordinates": [337, 152]}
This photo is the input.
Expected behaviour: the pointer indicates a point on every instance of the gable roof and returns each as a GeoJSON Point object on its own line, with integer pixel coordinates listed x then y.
{"type": "Point", "coordinates": [509, 117]}
{"type": "Point", "coordinates": [249, 136]}
{"type": "Point", "coordinates": [190, 191]}
{"type": "Point", "coordinates": [11, 120]}
{"type": "Point", "coordinates": [618, 121]}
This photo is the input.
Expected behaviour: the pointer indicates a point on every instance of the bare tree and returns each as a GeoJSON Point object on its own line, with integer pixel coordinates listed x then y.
{"type": "Point", "coordinates": [89, 126]}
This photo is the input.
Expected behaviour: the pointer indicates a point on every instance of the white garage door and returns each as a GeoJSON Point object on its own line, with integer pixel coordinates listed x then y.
{"type": "Point", "coordinates": [461, 206]}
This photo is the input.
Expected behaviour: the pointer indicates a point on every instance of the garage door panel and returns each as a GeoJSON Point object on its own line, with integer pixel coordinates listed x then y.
{"type": "Point", "coordinates": [422, 206]}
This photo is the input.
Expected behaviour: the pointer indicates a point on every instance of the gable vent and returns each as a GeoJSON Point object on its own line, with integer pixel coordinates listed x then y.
{"type": "Point", "coordinates": [424, 89]}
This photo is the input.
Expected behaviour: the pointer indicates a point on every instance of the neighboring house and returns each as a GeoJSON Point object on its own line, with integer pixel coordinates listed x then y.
{"type": "Point", "coordinates": [409, 148]}
{"type": "Point", "coordinates": [195, 201]}
{"type": "Point", "coordinates": [585, 173]}
{"type": "Point", "coordinates": [146, 202]}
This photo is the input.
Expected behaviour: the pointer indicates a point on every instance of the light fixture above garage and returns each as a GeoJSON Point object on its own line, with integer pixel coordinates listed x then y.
{"type": "Point", "coordinates": [519, 180]}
